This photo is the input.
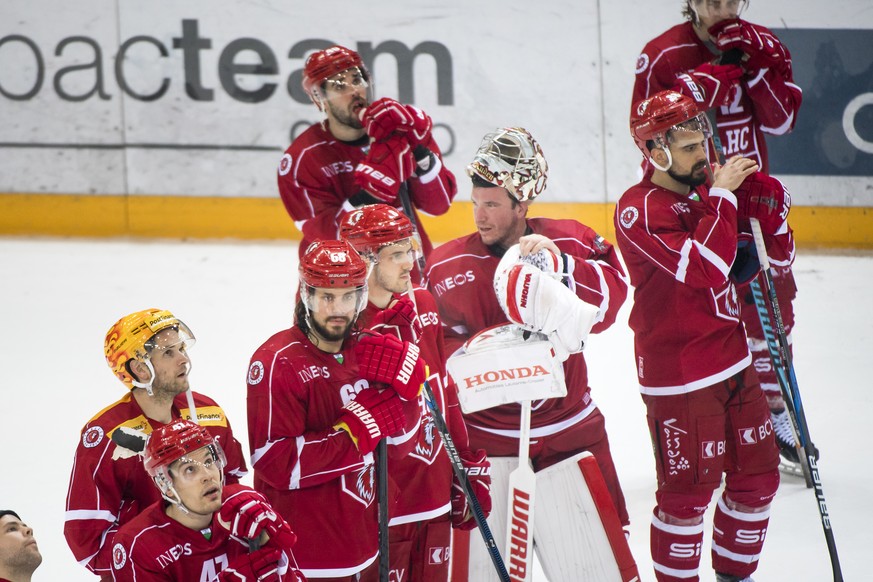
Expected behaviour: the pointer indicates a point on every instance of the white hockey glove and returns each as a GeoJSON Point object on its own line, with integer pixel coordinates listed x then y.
{"type": "Point", "coordinates": [536, 301]}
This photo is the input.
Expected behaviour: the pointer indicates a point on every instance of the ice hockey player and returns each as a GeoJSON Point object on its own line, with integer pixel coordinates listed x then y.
{"type": "Point", "coordinates": [706, 412]}
{"type": "Point", "coordinates": [315, 416]}
{"type": "Point", "coordinates": [360, 153]}
{"type": "Point", "coordinates": [420, 531]}
{"type": "Point", "coordinates": [148, 351]}
{"type": "Point", "coordinates": [202, 529]}
{"type": "Point", "coordinates": [508, 172]}
{"type": "Point", "coordinates": [19, 554]}
{"type": "Point", "coordinates": [752, 96]}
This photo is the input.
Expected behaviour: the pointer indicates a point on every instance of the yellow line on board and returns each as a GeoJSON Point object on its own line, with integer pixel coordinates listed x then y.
{"type": "Point", "coordinates": [210, 217]}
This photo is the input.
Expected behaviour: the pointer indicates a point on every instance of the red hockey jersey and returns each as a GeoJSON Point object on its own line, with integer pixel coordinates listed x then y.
{"type": "Point", "coordinates": [426, 472]}
{"type": "Point", "coordinates": [460, 276]}
{"type": "Point", "coordinates": [316, 180]}
{"type": "Point", "coordinates": [154, 547]}
{"type": "Point", "coordinates": [685, 317]}
{"type": "Point", "coordinates": [311, 473]}
{"type": "Point", "coordinates": [106, 492]}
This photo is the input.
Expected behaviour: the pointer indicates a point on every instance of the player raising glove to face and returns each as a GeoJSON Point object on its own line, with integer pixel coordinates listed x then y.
{"type": "Point", "coordinates": [385, 117]}
{"type": "Point", "coordinates": [762, 49]}
{"type": "Point", "coordinates": [765, 198]}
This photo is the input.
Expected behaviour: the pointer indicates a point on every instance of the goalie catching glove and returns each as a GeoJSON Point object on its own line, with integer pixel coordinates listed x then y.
{"type": "Point", "coordinates": [386, 359]}
{"type": "Point", "coordinates": [478, 471]}
{"type": "Point", "coordinates": [537, 301]}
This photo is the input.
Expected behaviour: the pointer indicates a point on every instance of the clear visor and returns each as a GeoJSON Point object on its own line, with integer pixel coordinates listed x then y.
{"type": "Point", "coordinates": [406, 250]}
{"type": "Point", "coordinates": [350, 81]}
{"type": "Point", "coordinates": [176, 337]}
{"type": "Point", "coordinates": [334, 301]}
{"type": "Point", "coordinates": [686, 130]}
{"type": "Point", "coordinates": [208, 461]}
{"type": "Point", "coordinates": [714, 11]}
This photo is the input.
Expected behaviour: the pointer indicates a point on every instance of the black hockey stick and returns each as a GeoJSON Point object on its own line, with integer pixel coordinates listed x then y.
{"type": "Point", "coordinates": [461, 476]}
{"type": "Point", "coordinates": [810, 452]}
{"type": "Point", "coordinates": [382, 469]}
{"type": "Point", "coordinates": [406, 203]}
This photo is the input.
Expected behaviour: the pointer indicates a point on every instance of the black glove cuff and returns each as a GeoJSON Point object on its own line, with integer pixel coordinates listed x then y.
{"type": "Point", "coordinates": [424, 159]}
{"type": "Point", "coordinates": [363, 198]}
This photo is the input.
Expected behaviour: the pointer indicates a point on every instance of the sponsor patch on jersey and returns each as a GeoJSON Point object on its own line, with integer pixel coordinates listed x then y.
{"type": "Point", "coordinates": [642, 63]}
{"type": "Point", "coordinates": [285, 165]}
{"type": "Point", "coordinates": [92, 437]}
{"type": "Point", "coordinates": [119, 556]}
{"type": "Point", "coordinates": [600, 245]}
{"type": "Point", "coordinates": [629, 216]}
{"type": "Point", "coordinates": [256, 373]}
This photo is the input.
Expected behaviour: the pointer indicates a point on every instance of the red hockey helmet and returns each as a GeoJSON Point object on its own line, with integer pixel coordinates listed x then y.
{"type": "Point", "coordinates": [374, 226]}
{"type": "Point", "coordinates": [171, 442]}
{"type": "Point", "coordinates": [653, 119]}
{"type": "Point", "coordinates": [332, 264]}
{"type": "Point", "coordinates": [324, 64]}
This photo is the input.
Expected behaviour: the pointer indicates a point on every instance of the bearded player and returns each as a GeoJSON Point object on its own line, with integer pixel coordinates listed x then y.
{"type": "Point", "coordinates": [201, 529]}
{"type": "Point", "coordinates": [316, 416]}
{"type": "Point", "coordinates": [360, 153]}
{"type": "Point", "coordinates": [421, 523]}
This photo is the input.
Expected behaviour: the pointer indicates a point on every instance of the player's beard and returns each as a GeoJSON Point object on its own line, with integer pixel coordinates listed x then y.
{"type": "Point", "coordinates": [326, 334]}
{"type": "Point", "coordinates": [347, 116]}
{"type": "Point", "coordinates": [694, 178]}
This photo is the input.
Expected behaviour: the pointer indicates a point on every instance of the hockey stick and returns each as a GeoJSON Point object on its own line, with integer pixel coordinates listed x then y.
{"type": "Point", "coordinates": [406, 203]}
{"type": "Point", "coordinates": [803, 429]}
{"type": "Point", "coordinates": [382, 469]}
{"type": "Point", "coordinates": [520, 506]}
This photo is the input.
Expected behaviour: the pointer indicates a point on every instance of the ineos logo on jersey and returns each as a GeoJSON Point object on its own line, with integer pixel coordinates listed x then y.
{"type": "Point", "coordinates": [313, 372]}
{"type": "Point", "coordinates": [629, 216]}
{"type": "Point", "coordinates": [455, 280]}
{"type": "Point", "coordinates": [285, 165]}
{"type": "Point", "coordinates": [337, 168]}
{"type": "Point", "coordinates": [429, 318]}
{"type": "Point", "coordinates": [172, 554]}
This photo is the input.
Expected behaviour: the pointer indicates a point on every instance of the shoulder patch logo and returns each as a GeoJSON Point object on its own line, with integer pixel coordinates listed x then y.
{"type": "Point", "coordinates": [256, 373]}
{"type": "Point", "coordinates": [119, 556]}
{"type": "Point", "coordinates": [629, 216]}
{"type": "Point", "coordinates": [92, 437]}
{"type": "Point", "coordinates": [285, 165]}
{"type": "Point", "coordinates": [642, 63]}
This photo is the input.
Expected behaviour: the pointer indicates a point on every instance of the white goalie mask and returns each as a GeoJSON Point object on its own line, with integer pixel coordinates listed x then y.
{"type": "Point", "coordinates": [511, 158]}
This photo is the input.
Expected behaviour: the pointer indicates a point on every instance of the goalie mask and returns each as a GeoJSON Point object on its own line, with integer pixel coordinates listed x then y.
{"type": "Point", "coordinates": [133, 337]}
{"type": "Point", "coordinates": [332, 264]}
{"type": "Point", "coordinates": [340, 66]}
{"type": "Point", "coordinates": [658, 121]}
{"type": "Point", "coordinates": [376, 226]}
{"type": "Point", "coordinates": [512, 159]}
{"type": "Point", "coordinates": [177, 441]}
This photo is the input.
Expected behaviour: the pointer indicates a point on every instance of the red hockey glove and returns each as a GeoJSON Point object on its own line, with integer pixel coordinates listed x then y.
{"type": "Point", "coordinates": [746, 265]}
{"type": "Point", "coordinates": [765, 198]}
{"type": "Point", "coordinates": [479, 473]}
{"type": "Point", "coordinates": [709, 85]}
{"type": "Point", "coordinates": [400, 318]}
{"type": "Point", "coordinates": [384, 358]}
{"type": "Point", "coordinates": [385, 117]}
{"type": "Point", "coordinates": [247, 514]}
{"type": "Point", "coordinates": [259, 566]}
{"type": "Point", "coordinates": [763, 49]}
{"type": "Point", "coordinates": [372, 415]}
{"type": "Point", "coordinates": [389, 163]}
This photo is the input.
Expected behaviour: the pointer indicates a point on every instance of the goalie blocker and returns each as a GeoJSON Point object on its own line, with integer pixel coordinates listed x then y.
{"type": "Point", "coordinates": [577, 533]}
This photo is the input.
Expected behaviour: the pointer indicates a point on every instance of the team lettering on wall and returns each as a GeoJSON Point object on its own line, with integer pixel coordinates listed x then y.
{"type": "Point", "coordinates": [246, 57]}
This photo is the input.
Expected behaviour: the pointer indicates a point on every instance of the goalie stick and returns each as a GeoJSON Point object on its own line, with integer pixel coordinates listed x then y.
{"type": "Point", "coordinates": [520, 506]}
{"type": "Point", "coordinates": [811, 454]}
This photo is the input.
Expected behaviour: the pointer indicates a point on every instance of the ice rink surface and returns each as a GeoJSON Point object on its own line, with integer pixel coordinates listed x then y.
{"type": "Point", "coordinates": [59, 297]}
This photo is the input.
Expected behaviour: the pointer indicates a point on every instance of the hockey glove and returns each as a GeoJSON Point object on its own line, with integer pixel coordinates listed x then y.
{"type": "Point", "coordinates": [709, 85]}
{"type": "Point", "coordinates": [389, 163]}
{"type": "Point", "coordinates": [765, 198]}
{"type": "Point", "coordinates": [372, 415]}
{"type": "Point", "coordinates": [478, 471]}
{"type": "Point", "coordinates": [259, 566]}
{"type": "Point", "coordinates": [246, 514]}
{"type": "Point", "coordinates": [385, 117]}
{"type": "Point", "coordinates": [746, 265]}
{"type": "Point", "coordinates": [763, 49]}
{"type": "Point", "coordinates": [400, 318]}
{"type": "Point", "coordinates": [386, 359]}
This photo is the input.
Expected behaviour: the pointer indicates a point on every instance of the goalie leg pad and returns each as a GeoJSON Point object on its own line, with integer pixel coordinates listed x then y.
{"type": "Point", "coordinates": [577, 532]}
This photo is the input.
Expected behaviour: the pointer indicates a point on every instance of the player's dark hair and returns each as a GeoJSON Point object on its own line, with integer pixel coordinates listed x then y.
{"type": "Point", "coordinates": [5, 512]}
{"type": "Point", "coordinates": [480, 182]}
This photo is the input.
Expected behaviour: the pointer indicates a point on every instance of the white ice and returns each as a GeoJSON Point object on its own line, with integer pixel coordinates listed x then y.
{"type": "Point", "coordinates": [60, 296]}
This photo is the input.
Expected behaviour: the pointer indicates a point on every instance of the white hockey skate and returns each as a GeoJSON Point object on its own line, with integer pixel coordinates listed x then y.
{"type": "Point", "coordinates": [789, 461]}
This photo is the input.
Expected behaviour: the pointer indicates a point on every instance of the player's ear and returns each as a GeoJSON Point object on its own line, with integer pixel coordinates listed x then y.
{"type": "Point", "coordinates": [139, 370]}
{"type": "Point", "coordinates": [659, 156]}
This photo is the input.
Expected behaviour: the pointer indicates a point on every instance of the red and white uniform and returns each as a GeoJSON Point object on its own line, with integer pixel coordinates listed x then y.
{"type": "Point", "coordinates": [311, 473]}
{"type": "Point", "coordinates": [154, 547]}
{"type": "Point", "coordinates": [764, 102]}
{"type": "Point", "coordinates": [316, 180]}
{"type": "Point", "coordinates": [426, 472]}
{"type": "Point", "coordinates": [106, 493]}
{"type": "Point", "coordinates": [706, 412]}
{"type": "Point", "coordinates": [460, 276]}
